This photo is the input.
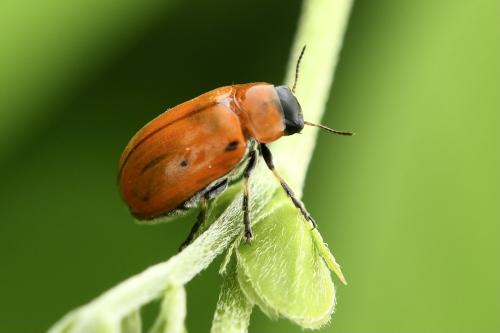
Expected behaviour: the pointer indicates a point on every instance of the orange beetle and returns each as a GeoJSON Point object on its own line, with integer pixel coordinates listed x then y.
{"type": "Point", "coordinates": [185, 156]}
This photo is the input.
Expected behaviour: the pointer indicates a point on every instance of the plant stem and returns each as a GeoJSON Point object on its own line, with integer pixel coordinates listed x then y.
{"type": "Point", "coordinates": [105, 313]}
{"type": "Point", "coordinates": [321, 28]}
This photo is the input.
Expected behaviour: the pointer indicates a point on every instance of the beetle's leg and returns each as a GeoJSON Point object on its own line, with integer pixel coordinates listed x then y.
{"type": "Point", "coordinates": [202, 215]}
{"type": "Point", "coordinates": [246, 213]}
{"type": "Point", "coordinates": [268, 157]}
{"type": "Point", "coordinates": [199, 221]}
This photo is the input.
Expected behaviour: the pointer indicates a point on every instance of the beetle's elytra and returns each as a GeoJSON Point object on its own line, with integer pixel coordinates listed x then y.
{"type": "Point", "coordinates": [187, 155]}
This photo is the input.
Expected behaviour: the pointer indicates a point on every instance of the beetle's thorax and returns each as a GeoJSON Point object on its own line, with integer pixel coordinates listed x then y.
{"type": "Point", "coordinates": [259, 109]}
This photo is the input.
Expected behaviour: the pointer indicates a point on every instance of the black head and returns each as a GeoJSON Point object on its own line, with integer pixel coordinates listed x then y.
{"type": "Point", "coordinates": [294, 121]}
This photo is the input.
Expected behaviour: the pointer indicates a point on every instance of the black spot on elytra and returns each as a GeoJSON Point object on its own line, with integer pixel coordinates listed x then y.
{"type": "Point", "coordinates": [183, 163]}
{"type": "Point", "coordinates": [232, 146]}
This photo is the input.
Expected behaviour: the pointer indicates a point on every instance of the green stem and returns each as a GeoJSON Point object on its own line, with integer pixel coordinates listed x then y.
{"type": "Point", "coordinates": [321, 29]}
{"type": "Point", "coordinates": [105, 313]}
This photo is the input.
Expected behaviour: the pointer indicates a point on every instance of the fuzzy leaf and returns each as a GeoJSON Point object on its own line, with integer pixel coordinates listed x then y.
{"type": "Point", "coordinates": [233, 308]}
{"type": "Point", "coordinates": [172, 313]}
{"type": "Point", "coordinates": [283, 270]}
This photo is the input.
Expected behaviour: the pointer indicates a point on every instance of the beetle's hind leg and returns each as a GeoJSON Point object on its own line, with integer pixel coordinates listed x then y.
{"type": "Point", "coordinates": [268, 158]}
{"type": "Point", "coordinates": [210, 193]}
{"type": "Point", "coordinates": [246, 209]}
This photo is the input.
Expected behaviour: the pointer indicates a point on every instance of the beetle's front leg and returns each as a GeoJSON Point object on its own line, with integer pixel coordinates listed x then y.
{"type": "Point", "coordinates": [268, 157]}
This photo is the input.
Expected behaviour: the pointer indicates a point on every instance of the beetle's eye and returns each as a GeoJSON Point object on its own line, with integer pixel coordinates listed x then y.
{"type": "Point", "coordinates": [292, 113]}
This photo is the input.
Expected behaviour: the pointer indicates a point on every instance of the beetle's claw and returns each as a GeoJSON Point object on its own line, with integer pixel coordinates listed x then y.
{"type": "Point", "coordinates": [314, 225]}
{"type": "Point", "coordinates": [248, 236]}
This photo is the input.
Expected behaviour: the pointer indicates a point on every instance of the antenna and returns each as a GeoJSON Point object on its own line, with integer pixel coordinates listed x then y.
{"type": "Point", "coordinates": [297, 68]}
{"type": "Point", "coordinates": [329, 129]}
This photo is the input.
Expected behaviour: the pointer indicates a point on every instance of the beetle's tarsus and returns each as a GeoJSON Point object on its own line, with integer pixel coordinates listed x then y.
{"type": "Point", "coordinates": [313, 222]}
{"type": "Point", "coordinates": [248, 236]}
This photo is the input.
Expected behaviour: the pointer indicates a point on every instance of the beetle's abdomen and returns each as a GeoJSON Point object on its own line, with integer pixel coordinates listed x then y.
{"type": "Point", "coordinates": [171, 165]}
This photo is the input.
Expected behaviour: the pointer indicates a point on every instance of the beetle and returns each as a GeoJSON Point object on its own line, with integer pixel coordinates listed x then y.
{"type": "Point", "coordinates": [188, 154]}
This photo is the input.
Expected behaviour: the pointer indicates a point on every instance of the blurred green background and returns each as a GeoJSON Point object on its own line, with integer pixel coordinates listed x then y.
{"type": "Point", "coordinates": [410, 205]}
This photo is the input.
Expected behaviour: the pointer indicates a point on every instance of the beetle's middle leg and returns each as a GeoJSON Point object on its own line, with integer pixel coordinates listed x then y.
{"type": "Point", "coordinates": [246, 210]}
{"type": "Point", "coordinates": [210, 193]}
{"type": "Point", "coordinates": [268, 158]}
